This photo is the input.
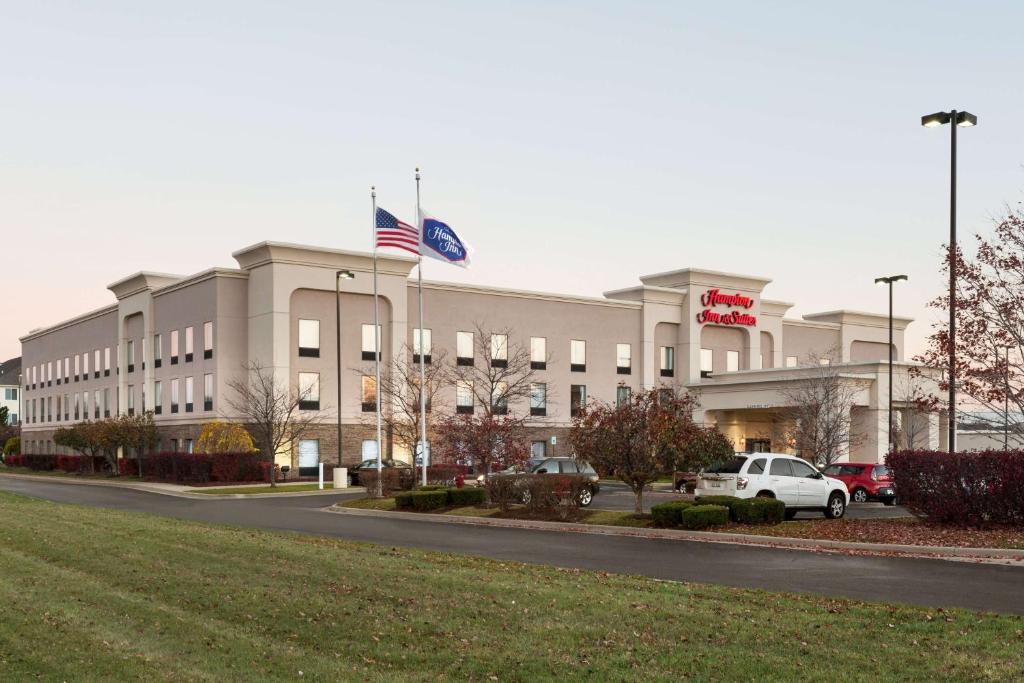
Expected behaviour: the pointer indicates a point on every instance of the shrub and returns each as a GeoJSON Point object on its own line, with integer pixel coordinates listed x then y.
{"type": "Point", "coordinates": [403, 501]}
{"type": "Point", "coordinates": [758, 511]}
{"type": "Point", "coordinates": [704, 516]}
{"type": "Point", "coordinates": [724, 501]}
{"type": "Point", "coordinates": [199, 468]}
{"type": "Point", "coordinates": [466, 496]}
{"type": "Point", "coordinates": [37, 462]}
{"type": "Point", "coordinates": [669, 514]}
{"type": "Point", "coordinates": [966, 489]}
{"type": "Point", "coordinates": [12, 446]}
{"type": "Point", "coordinates": [444, 474]}
{"type": "Point", "coordinates": [505, 490]}
{"type": "Point", "coordinates": [431, 487]}
{"type": "Point", "coordinates": [14, 460]}
{"type": "Point", "coordinates": [80, 464]}
{"type": "Point", "coordinates": [554, 493]}
{"type": "Point", "coordinates": [424, 501]}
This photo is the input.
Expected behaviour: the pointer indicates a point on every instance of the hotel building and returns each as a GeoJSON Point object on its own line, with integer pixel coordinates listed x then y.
{"type": "Point", "coordinates": [173, 344]}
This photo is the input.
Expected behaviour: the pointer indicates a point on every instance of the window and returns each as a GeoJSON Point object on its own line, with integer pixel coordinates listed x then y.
{"type": "Point", "coordinates": [157, 351]}
{"type": "Point", "coordinates": [309, 338]}
{"type": "Point", "coordinates": [371, 344]}
{"type": "Point", "coordinates": [85, 366]}
{"type": "Point", "coordinates": [824, 361]}
{"type": "Point", "coordinates": [757, 467]}
{"type": "Point", "coordinates": [106, 361]}
{"type": "Point", "coordinates": [802, 469]}
{"type": "Point", "coordinates": [707, 362]}
{"type": "Point", "coordinates": [158, 404]}
{"type": "Point", "coordinates": [208, 392]}
{"type": "Point", "coordinates": [577, 398]}
{"type": "Point", "coordinates": [622, 394]}
{"type": "Point", "coordinates": [538, 353]}
{"type": "Point", "coordinates": [309, 391]}
{"type": "Point", "coordinates": [189, 395]}
{"type": "Point", "coordinates": [67, 370]}
{"type": "Point", "coordinates": [189, 341]}
{"type": "Point", "coordinates": [49, 373]}
{"type": "Point", "coordinates": [369, 394]}
{"type": "Point", "coordinates": [96, 405]}
{"type": "Point", "coordinates": [78, 403]}
{"type": "Point", "coordinates": [208, 340]}
{"type": "Point", "coordinates": [780, 468]}
{"type": "Point", "coordinates": [464, 397]}
{"type": "Point", "coordinates": [106, 402]}
{"type": "Point", "coordinates": [96, 364]}
{"type": "Point", "coordinates": [790, 361]}
{"type": "Point", "coordinates": [188, 445]}
{"type": "Point", "coordinates": [131, 399]}
{"type": "Point", "coordinates": [499, 350]}
{"type": "Point", "coordinates": [174, 445]}
{"type": "Point", "coordinates": [77, 368]}
{"type": "Point", "coordinates": [174, 347]}
{"type": "Point", "coordinates": [732, 361]}
{"type": "Point", "coordinates": [309, 456]}
{"type": "Point", "coordinates": [131, 355]}
{"type": "Point", "coordinates": [623, 359]}
{"type": "Point", "coordinates": [499, 398]}
{"type": "Point", "coordinates": [538, 399]}
{"type": "Point", "coordinates": [421, 345]}
{"type": "Point", "coordinates": [668, 361]}
{"type": "Point", "coordinates": [463, 348]}
{"type": "Point", "coordinates": [49, 407]}
{"type": "Point", "coordinates": [577, 355]}
{"type": "Point", "coordinates": [174, 396]}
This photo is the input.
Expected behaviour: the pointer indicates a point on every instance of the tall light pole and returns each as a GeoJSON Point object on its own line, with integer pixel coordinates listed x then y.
{"type": "Point", "coordinates": [889, 280]}
{"type": "Point", "coordinates": [1006, 400]}
{"type": "Point", "coordinates": [958, 119]}
{"type": "Point", "coordinates": [338, 277]}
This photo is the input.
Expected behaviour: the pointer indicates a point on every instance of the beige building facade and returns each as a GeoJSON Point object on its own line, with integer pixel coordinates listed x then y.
{"type": "Point", "coordinates": [173, 344]}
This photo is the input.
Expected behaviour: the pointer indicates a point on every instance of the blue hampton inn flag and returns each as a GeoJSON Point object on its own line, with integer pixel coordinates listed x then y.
{"type": "Point", "coordinates": [439, 241]}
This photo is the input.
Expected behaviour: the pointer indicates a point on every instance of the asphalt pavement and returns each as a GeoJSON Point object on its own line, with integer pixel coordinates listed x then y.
{"type": "Point", "coordinates": [935, 583]}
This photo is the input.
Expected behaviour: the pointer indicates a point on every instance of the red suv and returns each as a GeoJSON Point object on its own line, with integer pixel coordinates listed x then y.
{"type": "Point", "coordinates": [865, 481]}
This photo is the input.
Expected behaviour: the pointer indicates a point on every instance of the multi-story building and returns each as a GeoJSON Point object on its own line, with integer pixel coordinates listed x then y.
{"type": "Point", "coordinates": [173, 345]}
{"type": "Point", "coordinates": [10, 389]}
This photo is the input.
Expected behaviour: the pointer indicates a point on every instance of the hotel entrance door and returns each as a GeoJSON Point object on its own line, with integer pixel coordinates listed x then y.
{"type": "Point", "coordinates": [758, 445]}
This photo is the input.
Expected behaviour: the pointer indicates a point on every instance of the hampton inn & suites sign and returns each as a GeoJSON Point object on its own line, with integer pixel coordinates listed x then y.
{"type": "Point", "coordinates": [713, 298]}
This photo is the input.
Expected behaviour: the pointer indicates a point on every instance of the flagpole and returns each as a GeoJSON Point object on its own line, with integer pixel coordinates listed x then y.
{"type": "Point", "coordinates": [423, 365]}
{"type": "Point", "coordinates": [376, 345]}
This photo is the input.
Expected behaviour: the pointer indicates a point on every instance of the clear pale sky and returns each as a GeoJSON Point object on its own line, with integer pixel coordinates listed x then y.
{"type": "Point", "coordinates": [575, 145]}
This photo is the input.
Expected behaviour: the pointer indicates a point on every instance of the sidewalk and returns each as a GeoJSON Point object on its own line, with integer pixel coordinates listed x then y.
{"type": "Point", "coordinates": [182, 491]}
{"type": "Point", "coordinates": [986, 555]}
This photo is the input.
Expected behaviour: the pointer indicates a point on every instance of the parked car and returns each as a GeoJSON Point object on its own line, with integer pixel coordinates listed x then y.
{"type": "Point", "coordinates": [865, 481]}
{"type": "Point", "coordinates": [562, 465]}
{"type": "Point", "coordinates": [371, 464]}
{"type": "Point", "coordinates": [774, 475]}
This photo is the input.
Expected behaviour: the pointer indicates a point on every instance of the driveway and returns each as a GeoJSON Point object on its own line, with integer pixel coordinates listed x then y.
{"type": "Point", "coordinates": [935, 583]}
{"type": "Point", "coordinates": [615, 495]}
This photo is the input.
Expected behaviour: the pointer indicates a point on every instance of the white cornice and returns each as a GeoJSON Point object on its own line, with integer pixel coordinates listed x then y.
{"type": "Point", "coordinates": [232, 273]}
{"type": "Point", "coordinates": [263, 253]}
{"type": "Point", "coordinates": [40, 331]}
{"type": "Point", "coordinates": [524, 294]}
{"type": "Point", "coordinates": [706, 278]}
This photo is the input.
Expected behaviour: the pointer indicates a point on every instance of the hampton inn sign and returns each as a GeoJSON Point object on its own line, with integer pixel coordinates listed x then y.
{"type": "Point", "coordinates": [714, 297]}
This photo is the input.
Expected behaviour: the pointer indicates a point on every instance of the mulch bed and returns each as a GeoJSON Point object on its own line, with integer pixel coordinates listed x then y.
{"type": "Point", "coordinates": [898, 531]}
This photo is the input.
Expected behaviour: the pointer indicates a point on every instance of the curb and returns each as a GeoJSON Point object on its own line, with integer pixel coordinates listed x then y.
{"type": "Point", "coordinates": [181, 492]}
{"type": "Point", "coordinates": [1000, 555]}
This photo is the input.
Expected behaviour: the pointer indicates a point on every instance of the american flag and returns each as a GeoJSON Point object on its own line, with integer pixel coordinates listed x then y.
{"type": "Point", "coordinates": [392, 232]}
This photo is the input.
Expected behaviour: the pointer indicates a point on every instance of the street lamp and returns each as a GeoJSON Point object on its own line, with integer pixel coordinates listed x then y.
{"type": "Point", "coordinates": [889, 280]}
{"type": "Point", "coordinates": [338, 277]}
{"type": "Point", "coordinates": [1006, 400]}
{"type": "Point", "coordinates": [960, 119]}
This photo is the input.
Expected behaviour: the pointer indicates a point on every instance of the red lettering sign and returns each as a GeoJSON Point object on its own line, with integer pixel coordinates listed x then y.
{"type": "Point", "coordinates": [714, 297]}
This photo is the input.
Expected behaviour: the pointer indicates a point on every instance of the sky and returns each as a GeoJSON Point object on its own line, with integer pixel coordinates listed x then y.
{"type": "Point", "coordinates": [575, 145]}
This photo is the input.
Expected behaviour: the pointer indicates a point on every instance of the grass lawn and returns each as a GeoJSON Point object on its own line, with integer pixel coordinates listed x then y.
{"type": "Point", "coordinates": [900, 531]}
{"type": "Point", "coordinates": [264, 488]}
{"type": "Point", "coordinates": [94, 595]}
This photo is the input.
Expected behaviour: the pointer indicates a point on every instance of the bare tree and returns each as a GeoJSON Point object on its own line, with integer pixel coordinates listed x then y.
{"type": "Point", "coordinates": [400, 395]}
{"type": "Point", "coordinates": [818, 417]}
{"type": "Point", "coordinates": [501, 372]}
{"type": "Point", "coordinates": [913, 390]}
{"type": "Point", "coordinates": [271, 411]}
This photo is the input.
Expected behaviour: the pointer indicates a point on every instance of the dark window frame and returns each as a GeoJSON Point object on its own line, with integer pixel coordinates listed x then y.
{"type": "Point", "coordinates": [538, 412]}
{"type": "Point", "coordinates": [577, 367]}
{"type": "Point", "coordinates": [538, 365]}
{"type": "Point", "coordinates": [207, 354]}
{"type": "Point", "coordinates": [309, 405]}
{"type": "Point", "coordinates": [465, 362]}
{"type": "Point", "coordinates": [464, 410]}
{"type": "Point", "coordinates": [309, 352]}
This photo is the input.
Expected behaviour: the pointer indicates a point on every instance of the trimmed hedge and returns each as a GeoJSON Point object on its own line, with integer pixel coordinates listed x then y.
{"type": "Point", "coordinates": [704, 516]}
{"type": "Point", "coordinates": [967, 489]}
{"type": "Point", "coordinates": [433, 498]}
{"type": "Point", "coordinates": [466, 496]}
{"type": "Point", "coordinates": [724, 501]}
{"type": "Point", "coordinates": [758, 511]}
{"type": "Point", "coordinates": [669, 514]}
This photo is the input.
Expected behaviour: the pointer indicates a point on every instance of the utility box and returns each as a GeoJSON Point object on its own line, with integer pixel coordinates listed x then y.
{"type": "Point", "coordinates": [341, 477]}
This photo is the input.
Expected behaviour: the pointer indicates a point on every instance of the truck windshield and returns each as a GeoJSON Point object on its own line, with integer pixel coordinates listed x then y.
{"type": "Point", "coordinates": [728, 467]}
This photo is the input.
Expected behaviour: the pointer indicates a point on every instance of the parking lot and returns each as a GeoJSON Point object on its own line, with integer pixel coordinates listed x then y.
{"type": "Point", "coordinates": [615, 495]}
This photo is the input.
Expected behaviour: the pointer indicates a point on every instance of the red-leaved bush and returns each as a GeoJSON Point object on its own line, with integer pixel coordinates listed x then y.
{"type": "Point", "coordinates": [966, 489]}
{"type": "Point", "coordinates": [199, 468]}
{"type": "Point", "coordinates": [33, 461]}
{"type": "Point", "coordinates": [80, 464]}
